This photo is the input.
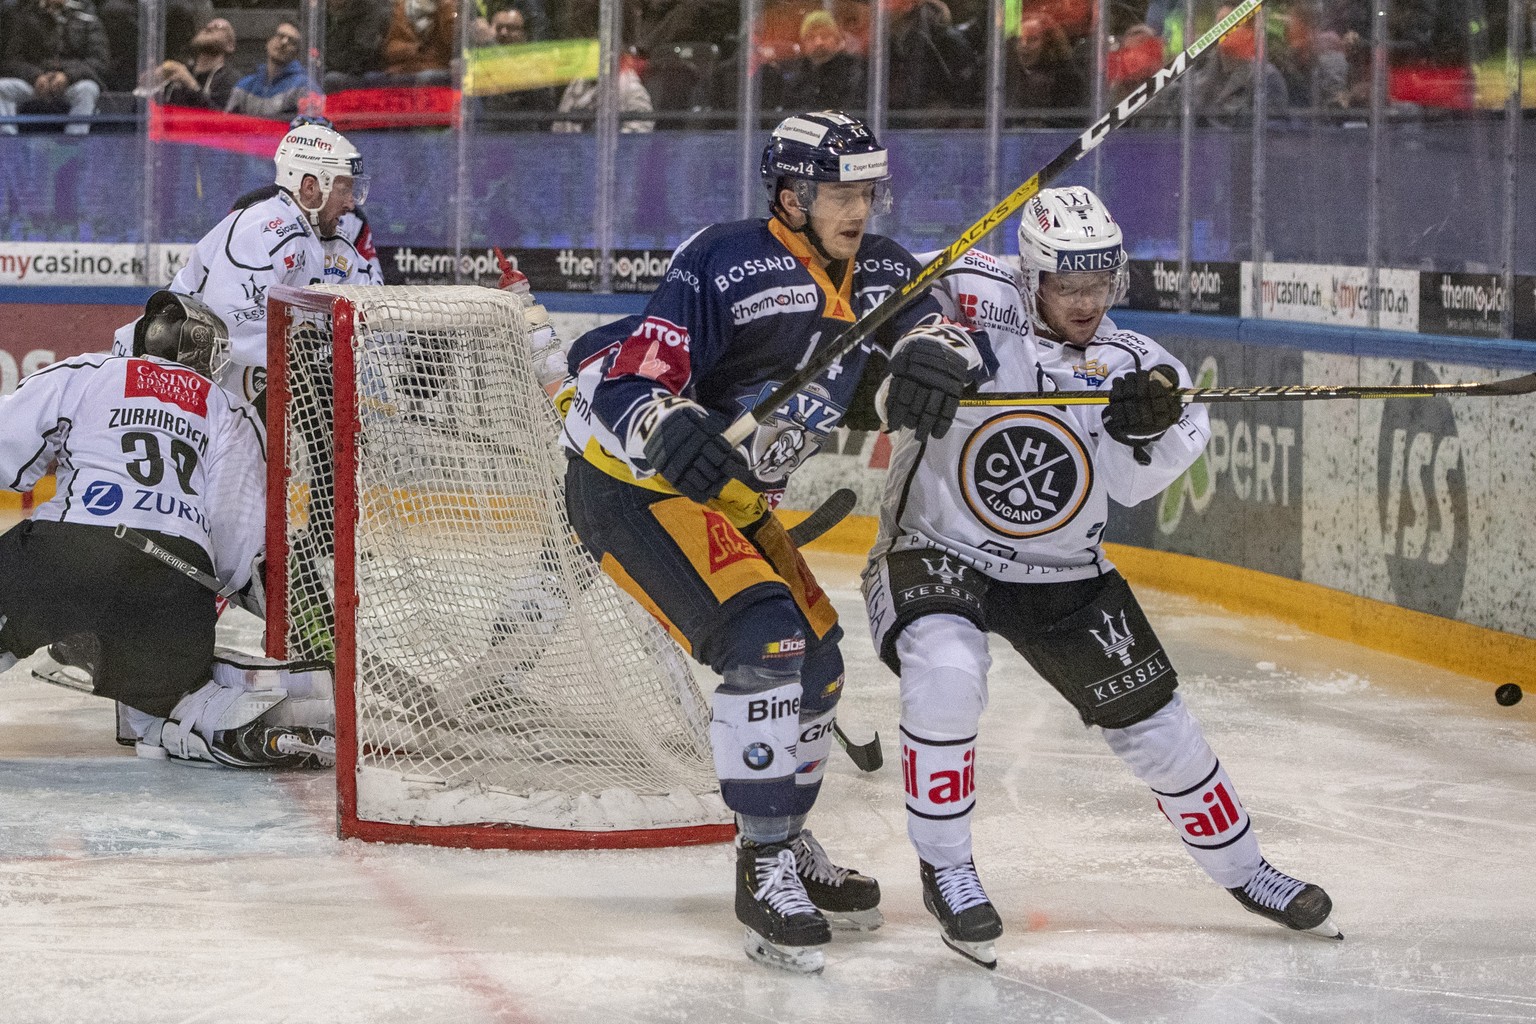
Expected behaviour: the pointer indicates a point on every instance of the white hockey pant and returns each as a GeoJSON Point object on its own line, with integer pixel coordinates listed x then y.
{"type": "Point", "coordinates": [1169, 753]}
{"type": "Point", "coordinates": [944, 664]}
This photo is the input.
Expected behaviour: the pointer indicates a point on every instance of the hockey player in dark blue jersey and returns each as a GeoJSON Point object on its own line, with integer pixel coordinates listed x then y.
{"type": "Point", "coordinates": [684, 521]}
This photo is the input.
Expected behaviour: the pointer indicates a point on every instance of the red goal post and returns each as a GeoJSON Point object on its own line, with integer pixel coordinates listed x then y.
{"type": "Point", "coordinates": [493, 687]}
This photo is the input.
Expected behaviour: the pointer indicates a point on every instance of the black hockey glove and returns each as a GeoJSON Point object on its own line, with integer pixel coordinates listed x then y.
{"type": "Point", "coordinates": [687, 450]}
{"type": "Point", "coordinates": [1142, 406]}
{"type": "Point", "coordinates": [925, 385]}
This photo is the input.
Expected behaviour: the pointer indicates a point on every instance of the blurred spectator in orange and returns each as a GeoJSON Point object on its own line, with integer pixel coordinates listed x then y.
{"type": "Point", "coordinates": [274, 89]}
{"type": "Point", "coordinates": [1043, 74]}
{"type": "Point", "coordinates": [205, 78]}
{"type": "Point", "coordinates": [824, 76]}
{"type": "Point", "coordinates": [422, 41]}
{"type": "Point", "coordinates": [1137, 57]}
{"type": "Point", "coordinates": [354, 41]}
{"type": "Point", "coordinates": [932, 68]}
{"type": "Point", "coordinates": [55, 54]}
{"type": "Point", "coordinates": [1224, 87]}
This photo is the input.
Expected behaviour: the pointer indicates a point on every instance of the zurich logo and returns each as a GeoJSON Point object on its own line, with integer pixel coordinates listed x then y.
{"type": "Point", "coordinates": [757, 756]}
{"type": "Point", "coordinates": [102, 498]}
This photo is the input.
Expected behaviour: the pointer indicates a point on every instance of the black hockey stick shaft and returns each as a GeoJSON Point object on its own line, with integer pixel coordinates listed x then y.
{"type": "Point", "coordinates": [1272, 393]}
{"type": "Point", "coordinates": [134, 538]}
{"type": "Point", "coordinates": [867, 757]}
{"type": "Point", "coordinates": [826, 515]}
{"type": "Point", "coordinates": [864, 329]}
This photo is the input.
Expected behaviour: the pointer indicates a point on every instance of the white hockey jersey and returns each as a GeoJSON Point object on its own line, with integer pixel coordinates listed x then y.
{"type": "Point", "coordinates": [146, 443]}
{"type": "Point", "coordinates": [1022, 493]}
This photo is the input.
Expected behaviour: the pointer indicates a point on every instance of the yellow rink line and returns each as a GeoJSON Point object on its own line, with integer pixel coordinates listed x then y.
{"type": "Point", "coordinates": [1445, 643]}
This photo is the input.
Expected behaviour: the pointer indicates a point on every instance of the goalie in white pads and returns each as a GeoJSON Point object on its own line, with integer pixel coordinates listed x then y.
{"type": "Point", "coordinates": [995, 528]}
{"type": "Point", "coordinates": [147, 442]}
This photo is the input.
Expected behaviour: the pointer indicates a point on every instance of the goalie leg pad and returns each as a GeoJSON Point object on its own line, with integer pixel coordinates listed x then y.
{"type": "Point", "coordinates": [310, 688]}
{"type": "Point", "coordinates": [1168, 752]}
{"type": "Point", "coordinates": [944, 661]}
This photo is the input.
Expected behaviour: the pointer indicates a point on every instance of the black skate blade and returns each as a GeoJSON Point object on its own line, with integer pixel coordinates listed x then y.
{"type": "Point", "coordinates": [982, 954]}
{"type": "Point", "coordinates": [795, 959]}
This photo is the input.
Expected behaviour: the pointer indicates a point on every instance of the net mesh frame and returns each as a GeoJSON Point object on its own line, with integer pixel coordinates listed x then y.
{"type": "Point", "coordinates": [494, 688]}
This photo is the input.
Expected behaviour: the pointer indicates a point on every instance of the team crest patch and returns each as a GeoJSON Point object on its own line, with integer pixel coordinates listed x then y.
{"type": "Point", "coordinates": [1024, 474]}
{"type": "Point", "coordinates": [172, 385]}
{"type": "Point", "coordinates": [1093, 371]}
{"type": "Point", "coordinates": [726, 546]}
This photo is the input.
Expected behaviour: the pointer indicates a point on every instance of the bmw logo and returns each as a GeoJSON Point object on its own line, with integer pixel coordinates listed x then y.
{"type": "Point", "coordinates": [757, 756]}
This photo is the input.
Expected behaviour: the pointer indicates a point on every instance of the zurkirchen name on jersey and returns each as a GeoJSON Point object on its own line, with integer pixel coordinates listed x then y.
{"type": "Point", "coordinates": [179, 426]}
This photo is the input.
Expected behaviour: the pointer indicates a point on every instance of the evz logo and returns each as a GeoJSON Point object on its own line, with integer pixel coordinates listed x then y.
{"type": "Point", "coordinates": [1117, 643]}
{"type": "Point", "coordinates": [795, 431]}
{"type": "Point", "coordinates": [1024, 474]}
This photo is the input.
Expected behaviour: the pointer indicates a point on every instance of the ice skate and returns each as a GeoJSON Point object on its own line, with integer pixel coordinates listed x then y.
{"type": "Point", "coordinates": [274, 746]}
{"type": "Point", "coordinates": [969, 921]}
{"type": "Point", "coordinates": [1288, 901]}
{"type": "Point", "coordinates": [847, 899]}
{"type": "Point", "coordinates": [784, 928]}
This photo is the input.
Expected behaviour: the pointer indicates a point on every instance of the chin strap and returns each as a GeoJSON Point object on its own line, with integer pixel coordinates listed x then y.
{"type": "Point", "coordinates": [780, 214]}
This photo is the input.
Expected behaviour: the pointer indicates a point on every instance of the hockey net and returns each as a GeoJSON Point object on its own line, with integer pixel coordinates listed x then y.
{"type": "Point", "coordinates": [493, 687]}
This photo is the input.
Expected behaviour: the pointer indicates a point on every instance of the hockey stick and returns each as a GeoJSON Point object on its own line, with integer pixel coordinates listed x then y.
{"type": "Point", "coordinates": [1272, 393]}
{"type": "Point", "coordinates": [1080, 147]}
{"type": "Point", "coordinates": [133, 538]}
{"type": "Point", "coordinates": [827, 515]}
{"type": "Point", "coordinates": [867, 757]}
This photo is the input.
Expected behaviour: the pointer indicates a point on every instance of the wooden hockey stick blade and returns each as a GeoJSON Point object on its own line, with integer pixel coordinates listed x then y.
{"type": "Point", "coordinates": [827, 515]}
{"type": "Point", "coordinates": [1089, 140]}
{"type": "Point", "coordinates": [867, 757]}
{"type": "Point", "coordinates": [133, 538]}
{"type": "Point", "coordinates": [1271, 393]}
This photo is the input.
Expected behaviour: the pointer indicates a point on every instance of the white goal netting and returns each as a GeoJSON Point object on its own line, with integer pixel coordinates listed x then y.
{"type": "Point", "coordinates": [497, 677]}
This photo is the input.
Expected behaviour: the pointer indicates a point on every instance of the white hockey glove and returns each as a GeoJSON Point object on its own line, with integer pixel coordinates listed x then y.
{"type": "Point", "coordinates": [929, 369]}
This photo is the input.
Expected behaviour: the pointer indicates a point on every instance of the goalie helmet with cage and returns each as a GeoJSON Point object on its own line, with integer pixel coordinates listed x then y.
{"type": "Point", "coordinates": [826, 145]}
{"type": "Point", "coordinates": [1070, 231]}
{"type": "Point", "coordinates": [324, 153]}
{"type": "Point", "coordinates": [184, 330]}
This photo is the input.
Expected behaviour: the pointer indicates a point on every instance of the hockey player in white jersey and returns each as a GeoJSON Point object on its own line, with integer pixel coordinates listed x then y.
{"type": "Point", "coordinates": [278, 240]}
{"type": "Point", "coordinates": [996, 528]}
{"type": "Point", "coordinates": [147, 443]}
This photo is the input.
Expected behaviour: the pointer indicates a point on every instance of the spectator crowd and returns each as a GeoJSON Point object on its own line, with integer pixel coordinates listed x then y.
{"type": "Point", "coordinates": [682, 61]}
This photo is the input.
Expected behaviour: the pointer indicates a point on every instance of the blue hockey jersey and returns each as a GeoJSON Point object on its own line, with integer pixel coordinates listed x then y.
{"type": "Point", "coordinates": [741, 308]}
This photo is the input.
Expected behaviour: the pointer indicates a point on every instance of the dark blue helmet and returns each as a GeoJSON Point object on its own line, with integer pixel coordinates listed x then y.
{"type": "Point", "coordinates": [827, 145]}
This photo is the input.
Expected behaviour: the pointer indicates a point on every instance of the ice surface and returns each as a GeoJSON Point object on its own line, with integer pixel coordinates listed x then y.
{"type": "Point", "coordinates": [135, 891]}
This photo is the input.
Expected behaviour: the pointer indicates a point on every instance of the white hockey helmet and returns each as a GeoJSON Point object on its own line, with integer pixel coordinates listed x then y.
{"type": "Point", "coordinates": [312, 149]}
{"type": "Point", "coordinates": [1069, 231]}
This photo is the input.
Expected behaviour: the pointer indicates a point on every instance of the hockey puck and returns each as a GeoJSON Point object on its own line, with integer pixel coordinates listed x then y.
{"type": "Point", "coordinates": [1509, 694]}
